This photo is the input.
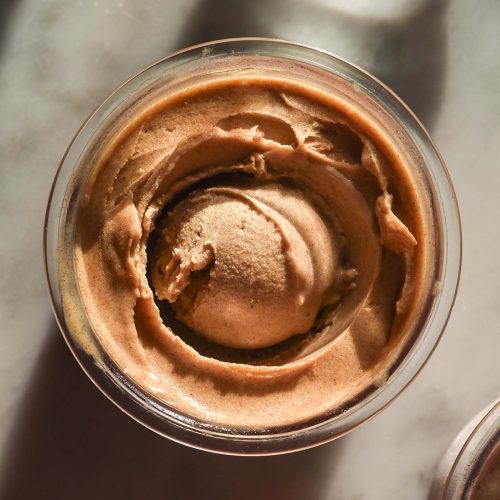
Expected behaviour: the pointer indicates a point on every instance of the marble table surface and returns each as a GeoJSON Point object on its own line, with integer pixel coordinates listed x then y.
{"type": "Point", "coordinates": [59, 437]}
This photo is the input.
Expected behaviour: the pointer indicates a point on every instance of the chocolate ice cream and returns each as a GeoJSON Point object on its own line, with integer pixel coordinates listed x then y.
{"type": "Point", "coordinates": [255, 252]}
{"type": "Point", "coordinates": [487, 486]}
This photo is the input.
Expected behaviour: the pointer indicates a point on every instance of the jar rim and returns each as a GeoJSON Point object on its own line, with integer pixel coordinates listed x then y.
{"type": "Point", "coordinates": [188, 431]}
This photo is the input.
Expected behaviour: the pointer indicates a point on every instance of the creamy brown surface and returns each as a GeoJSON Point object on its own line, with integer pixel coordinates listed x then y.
{"type": "Point", "coordinates": [488, 483]}
{"type": "Point", "coordinates": [253, 252]}
{"type": "Point", "coordinates": [269, 259]}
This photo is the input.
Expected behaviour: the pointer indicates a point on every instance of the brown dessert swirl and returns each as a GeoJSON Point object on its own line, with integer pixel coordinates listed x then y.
{"type": "Point", "coordinates": [254, 253]}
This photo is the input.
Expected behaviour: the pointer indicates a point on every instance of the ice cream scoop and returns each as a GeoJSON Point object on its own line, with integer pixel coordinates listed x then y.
{"type": "Point", "coordinates": [227, 219]}
{"type": "Point", "coordinates": [245, 267]}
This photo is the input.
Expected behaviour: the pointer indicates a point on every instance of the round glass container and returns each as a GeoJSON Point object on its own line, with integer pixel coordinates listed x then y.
{"type": "Point", "coordinates": [463, 465]}
{"type": "Point", "coordinates": [187, 67]}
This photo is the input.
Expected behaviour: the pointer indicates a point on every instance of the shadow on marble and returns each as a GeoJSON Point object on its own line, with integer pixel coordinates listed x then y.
{"type": "Point", "coordinates": [412, 58]}
{"type": "Point", "coordinates": [406, 51]}
{"type": "Point", "coordinates": [7, 10]}
{"type": "Point", "coordinates": [69, 441]}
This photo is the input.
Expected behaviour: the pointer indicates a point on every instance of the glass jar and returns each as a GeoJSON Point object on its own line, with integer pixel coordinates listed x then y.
{"type": "Point", "coordinates": [465, 461]}
{"type": "Point", "coordinates": [188, 67]}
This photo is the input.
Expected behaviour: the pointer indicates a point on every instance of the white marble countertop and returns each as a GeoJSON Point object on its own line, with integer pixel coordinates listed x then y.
{"type": "Point", "coordinates": [59, 437]}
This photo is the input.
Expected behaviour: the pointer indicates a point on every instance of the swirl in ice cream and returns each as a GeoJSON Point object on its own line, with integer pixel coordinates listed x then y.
{"type": "Point", "coordinates": [271, 261]}
{"type": "Point", "coordinates": [253, 251]}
